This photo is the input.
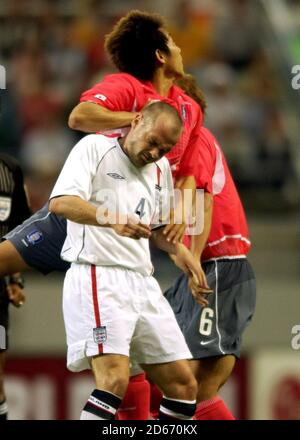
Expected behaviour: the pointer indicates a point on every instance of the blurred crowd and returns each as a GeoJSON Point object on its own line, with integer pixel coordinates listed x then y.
{"type": "Point", "coordinates": [53, 50]}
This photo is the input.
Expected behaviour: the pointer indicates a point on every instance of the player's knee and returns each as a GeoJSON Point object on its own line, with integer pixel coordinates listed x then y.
{"type": "Point", "coordinates": [183, 389]}
{"type": "Point", "coordinates": [10, 259]}
{"type": "Point", "coordinates": [4, 269]}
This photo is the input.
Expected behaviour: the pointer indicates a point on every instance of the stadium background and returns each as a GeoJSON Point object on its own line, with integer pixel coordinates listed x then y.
{"type": "Point", "coordinates": [242, 53]}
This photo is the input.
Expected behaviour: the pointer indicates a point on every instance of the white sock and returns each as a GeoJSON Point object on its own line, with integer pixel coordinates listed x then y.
{"type": "Point", "coordinates": [101, 405]}
{"type": "Point", "coordinates": [85, 415]}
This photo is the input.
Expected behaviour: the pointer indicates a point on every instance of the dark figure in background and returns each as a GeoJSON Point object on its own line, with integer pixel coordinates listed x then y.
{"type": "Point", "coordinates": [13, 210]}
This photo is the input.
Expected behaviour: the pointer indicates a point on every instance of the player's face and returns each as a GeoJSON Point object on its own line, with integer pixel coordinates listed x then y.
{"type": "Point", "coordinates": [148, 142]}
{"type": "Point", "coordinates": [173, 61]}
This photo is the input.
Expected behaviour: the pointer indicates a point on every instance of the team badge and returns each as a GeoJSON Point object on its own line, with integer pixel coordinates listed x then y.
{"type": "Point", "coordinates": [101, 97]}
{"type": "Point", "coordinates": [183, 112]}
{"type": "Point", "coordinates": [100, 334]}
{"type": "Point", "coordinates": [34, 237]}
{"type": "Point", "coordinates": [5, 208]}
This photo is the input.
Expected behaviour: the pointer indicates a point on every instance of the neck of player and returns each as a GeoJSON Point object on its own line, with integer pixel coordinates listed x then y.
{"type": "Point", "coordinates": [162, 83]}
{"type": "Point", "coordinates": [121, 141]}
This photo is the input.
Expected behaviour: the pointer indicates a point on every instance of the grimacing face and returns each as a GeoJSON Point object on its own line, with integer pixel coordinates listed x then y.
{"type": "Point", "coordinates": [148, 141]}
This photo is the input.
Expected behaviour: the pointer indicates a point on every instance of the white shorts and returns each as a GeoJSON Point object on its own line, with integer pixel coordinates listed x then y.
{"type": "Point", "coordinates": [118, 311]}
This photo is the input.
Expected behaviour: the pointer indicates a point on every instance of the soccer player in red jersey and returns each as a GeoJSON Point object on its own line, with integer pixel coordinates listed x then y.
{"type": "Point", "coordinates": [213, 332]}
{"type": "Point", "coordinates": [149, 63]}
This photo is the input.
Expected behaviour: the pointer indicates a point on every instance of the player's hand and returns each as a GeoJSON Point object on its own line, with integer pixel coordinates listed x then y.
{"type": "Point", "coordinates": [174, 232]}
{"type": "Point", "coordinates": [200, 292]}
{"type": "Point", "coordinates": [16, 294]}
{"type": "Point", "coordinates": [132, 229]}
{"type": "Point", "coordinates": [192, 267]}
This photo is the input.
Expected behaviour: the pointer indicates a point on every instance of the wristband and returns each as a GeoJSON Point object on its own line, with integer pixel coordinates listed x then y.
{"type": "Point", "coordinates": [17, 279]}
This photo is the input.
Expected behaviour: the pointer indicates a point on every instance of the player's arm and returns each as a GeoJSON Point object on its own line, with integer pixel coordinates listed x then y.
{"type": "Point", "coordinates": [80, 211]}
{"type": "Point", "coordinates": [108, 105]}
{"type": "Point", "coordinates": [199, 241]}
{"type": "Point", "coordinates": [199, 162]}
{"type": "Point", "coordinates": [90, 117]}
{"type": "Point", "coordinates": [183, 257]}
{"type": "Point", "coordinates": [176, 229]}
{"type": "Point", "coordinates": [186, 262]}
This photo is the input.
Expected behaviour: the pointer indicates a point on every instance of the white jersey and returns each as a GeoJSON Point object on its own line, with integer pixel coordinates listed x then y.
{"type": "Point", "coordinates": [98, 171]}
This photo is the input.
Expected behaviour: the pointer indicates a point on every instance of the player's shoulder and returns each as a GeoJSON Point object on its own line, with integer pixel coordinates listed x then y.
{"type": "Point", "coordinates": [187, 104]}
{"type": "Point", "coordinates": [178, 91]}
{"type": "Point", "coordinates": [206, 134]}
{"type": "Point", "coordinates": [95, 144]}
{"type": "Point", "coordinates": [122, 78]}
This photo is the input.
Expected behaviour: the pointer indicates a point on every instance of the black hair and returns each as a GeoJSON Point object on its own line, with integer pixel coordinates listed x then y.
{"type": "Point", "coordinates": [133, 42]}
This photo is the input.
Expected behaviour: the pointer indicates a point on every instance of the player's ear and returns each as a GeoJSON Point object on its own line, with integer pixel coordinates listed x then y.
{"type": "Point", "coordinates": [160, 56]}
{"type": "Point", "coordinates": [138, 118]}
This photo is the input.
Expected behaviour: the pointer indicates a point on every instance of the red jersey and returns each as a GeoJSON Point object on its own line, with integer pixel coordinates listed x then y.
{"type": "Point", "coordinates": [229, 236]}
{"type": "Point", "coordinates": [123, 92]}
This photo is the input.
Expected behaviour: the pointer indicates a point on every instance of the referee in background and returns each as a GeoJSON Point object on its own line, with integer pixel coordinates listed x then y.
{"type": "Point", "coordinates": [14, 209]}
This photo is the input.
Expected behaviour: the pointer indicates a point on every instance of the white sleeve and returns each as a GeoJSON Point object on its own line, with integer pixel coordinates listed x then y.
{"type": "Point", "coordinates": [165, 201]}
{"type": "Point", "coordinates": [167, 194]}
{"type": "Point", "coordinates": [76, 177]}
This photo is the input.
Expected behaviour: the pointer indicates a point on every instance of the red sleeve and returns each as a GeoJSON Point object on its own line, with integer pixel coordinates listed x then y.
{"type": "Point", "coordinates": [116, 92]}
{"type": "Point", "coordinates": [199, 161]}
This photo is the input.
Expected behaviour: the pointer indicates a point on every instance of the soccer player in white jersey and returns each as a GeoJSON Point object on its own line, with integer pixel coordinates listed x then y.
{"type": "Point", "coordinates": [113, 307]}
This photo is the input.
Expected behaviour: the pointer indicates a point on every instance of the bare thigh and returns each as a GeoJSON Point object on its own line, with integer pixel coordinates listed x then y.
{"type": "Point", "coordinates": [10, 260]}
{"type": "Point", "coordinates": [211, 374]}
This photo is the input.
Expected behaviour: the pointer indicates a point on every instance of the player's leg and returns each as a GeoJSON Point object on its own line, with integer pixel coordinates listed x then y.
{"type": "Point", "coordinates": [214, 332]}
{"type": "Point", "coordinates": [211, 374]}
{"type": "Point", "coordinates": [178, 386]}
{"type": "Point", "coordinates": [155, 399]}
{"type": "Point", "coordinates": [111, 373]}
{"type": "Point", "coordinates": [136, 402]}
{"type": "Point", "coordinates": [99, 319]}
{"type": "Point", "coordinates": [10, 260]}
{"type": "Point", "coordinates": [4, 303]}
{"type": "Point", "coordinates": [3, 405]}
{"type": "Point", "coordinates": [158, 345]}
{"type": "Point", "coordinates": [233, 305]}
{"type": "Point", "coordinates": [35, 244]}
{"type": "Point", "coordinates": [205, 334]}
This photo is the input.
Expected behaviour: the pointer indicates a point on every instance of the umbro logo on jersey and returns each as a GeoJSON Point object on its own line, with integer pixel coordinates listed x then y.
{"type": "Point", "coordinates": [116, 176]}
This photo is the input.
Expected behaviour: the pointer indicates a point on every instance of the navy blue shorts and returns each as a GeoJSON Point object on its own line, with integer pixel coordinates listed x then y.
{"type": "Point", "coordinates": [216, 330]}
{"type": "Point", "coordinates": [39, 241]}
